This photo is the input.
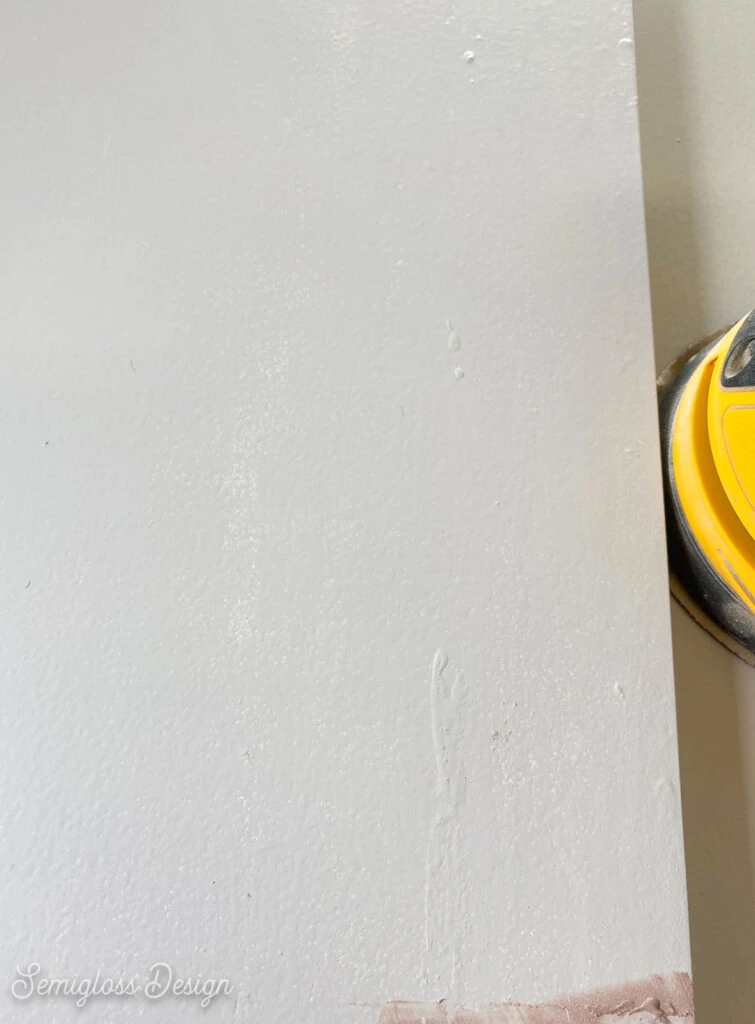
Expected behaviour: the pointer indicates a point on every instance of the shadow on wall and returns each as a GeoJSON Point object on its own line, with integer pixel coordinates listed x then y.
{"type": "Point", "coordinates": [717, 845]}
{"type": "Point", "coordinates": [714, 797]}
{"type": "Point", "coordinates": [668, 178]}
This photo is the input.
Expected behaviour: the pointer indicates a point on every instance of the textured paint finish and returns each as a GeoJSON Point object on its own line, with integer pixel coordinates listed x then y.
{"type": "Point", "coordinates": [336, 647]}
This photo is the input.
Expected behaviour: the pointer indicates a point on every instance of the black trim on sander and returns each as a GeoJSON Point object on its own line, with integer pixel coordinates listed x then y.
{"type": "Point", "coordinates": [739, 368]}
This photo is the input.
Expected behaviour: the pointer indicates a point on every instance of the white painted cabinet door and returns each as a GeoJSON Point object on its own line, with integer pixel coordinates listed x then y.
{"type": "Point", "coordinates": [336, 645]}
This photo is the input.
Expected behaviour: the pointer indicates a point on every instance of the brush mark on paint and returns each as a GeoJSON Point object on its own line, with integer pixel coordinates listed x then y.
{"type": "Point", "coordinates": [454, 341]}
{"type": "Point", "coordinates": [667, 999]}
{"type": "Point", "coordinates": [443, 894]}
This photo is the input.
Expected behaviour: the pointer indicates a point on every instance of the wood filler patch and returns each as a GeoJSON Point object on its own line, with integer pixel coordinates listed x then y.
{"type": "Point", "coordinates": [666, 999]}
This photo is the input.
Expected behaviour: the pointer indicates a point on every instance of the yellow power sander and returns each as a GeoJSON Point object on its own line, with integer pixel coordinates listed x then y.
{"type": "Point", "coordinates": [707, 416]}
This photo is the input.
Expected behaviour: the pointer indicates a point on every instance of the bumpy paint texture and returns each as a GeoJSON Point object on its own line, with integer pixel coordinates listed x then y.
{"type": "Point", "coordinates": [335, 650]}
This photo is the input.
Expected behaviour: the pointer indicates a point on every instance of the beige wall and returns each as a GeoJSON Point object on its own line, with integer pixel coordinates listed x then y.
{"type": "Point", "coordinates": [697, 109]}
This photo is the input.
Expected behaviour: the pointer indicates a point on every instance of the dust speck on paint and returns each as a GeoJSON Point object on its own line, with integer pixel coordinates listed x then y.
{"type": "Point", "coordinates": [458, 373]}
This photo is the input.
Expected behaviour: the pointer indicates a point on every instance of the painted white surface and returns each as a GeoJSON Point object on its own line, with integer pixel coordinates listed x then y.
{"type": "Point", "coordinates": [328, 668]}
{"type": "Point", "coordinates": [697, 107]}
